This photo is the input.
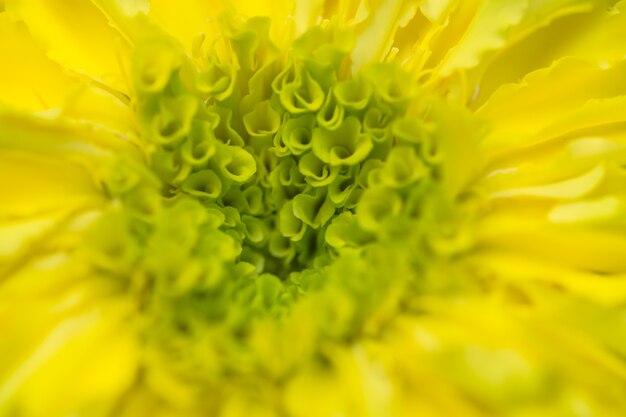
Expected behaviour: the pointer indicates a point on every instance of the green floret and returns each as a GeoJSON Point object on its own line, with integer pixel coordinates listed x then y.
{"type": "Point", "coordinates": [280, 187]}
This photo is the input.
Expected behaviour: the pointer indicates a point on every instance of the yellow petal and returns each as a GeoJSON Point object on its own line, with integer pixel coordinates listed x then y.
{"type": "Point", "coordinates": [33, 184]}
{"type": "Point", "coordinates": [375, 39]}
{"type": "Point", "coordinates": [486, 32]}
{"type": "Point", "coordinates": [520, 113]}
{"type": "Point", "coordinates": [433, 10]}
{"type": "Point", "coordinates": [587, 211]}
{"type": "Point", "coordinates": [91, 104]}
{"type": "Point", "coordinates": [76, 35]}
{"type": "Point", "coordinates": [521, 270]}
{"type": "Point", "coordinates": [545, 36]}
{"type": "Point", "coordinates": [19, 234]}
{"type": "Point", "coordinates": [306, 14]}
{"type": "Point", "coordinates": [32, 81]}
{"type": "Point", "coordinates": [72, 330]}
{"type": "Point", "coordinates": [568, 189]}
{"type": "Point", "coordinates": [186, 20]}
{"type": "Point", "coordinates": [563, 160]}
{"type": "Point", "coordinates": [591, 249]}
{"type": "Point", "coordinates": [54, 137]}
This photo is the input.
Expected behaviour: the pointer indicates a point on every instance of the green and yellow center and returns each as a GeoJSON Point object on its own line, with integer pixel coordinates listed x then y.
{"type": "Point", "coordinates": [275, 179]}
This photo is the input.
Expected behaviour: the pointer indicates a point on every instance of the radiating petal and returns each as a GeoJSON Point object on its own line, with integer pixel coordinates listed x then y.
{"type": "Point", "coordinates": [519, 113]}
{"type": "Point", "coordinates": [544, 36]}
{"type": "Point", "coordinates": [485, 33]}
{"type": "Point", "coordinates": [374, 40]}
{"type": "Point", "coordinates": [21, 82]}
{"type": "Point", "coordinates": [76, 35]}
{"type": "Point", "coordinates": [71, 327]}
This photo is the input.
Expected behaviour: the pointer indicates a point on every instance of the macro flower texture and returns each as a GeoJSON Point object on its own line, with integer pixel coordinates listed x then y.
{"type": "Point", "coordinates": [313, 208]}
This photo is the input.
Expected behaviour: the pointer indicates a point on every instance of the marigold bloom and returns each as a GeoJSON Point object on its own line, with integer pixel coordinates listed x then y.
{"type": "Point", "coordinates": [312, 208]}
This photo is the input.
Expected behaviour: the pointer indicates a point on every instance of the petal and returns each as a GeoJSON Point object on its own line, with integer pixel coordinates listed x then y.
{"type": "Point", "coordinates": [58, 138]}
{"type": "Point", "coordinates": [519, 113]}
{"type": "Point", "coordinates": [186, 20]}
{"type": "Point", "coordinates": [21, 83]}
{"type": "Point", "coordinates": [89, 103]}
{"type": "Point", "coordinates": [42, 200]}
{"type": "Point", "coordinates": [306, 14]}
{"type": "Point", "coordinates": [33, 184]}
{"type": "Point", "coordinates": [486, 32]}
{"type": "Point", "coordinates": [61, 325]}
{"type": "Point", "coordinates": [545, 35]}
{"type": "Point", "coordinates": [578, 247]}
{"type": "Point", "coordinates": [195, 20]}
{"type": "Point", "coordinates": [587, 211]}
{"type": "Point", "coordinates": [51, 174]}
{"type": "Point", "coordinates": [374, 37]}
{"type": "Point", "coordinates": [519, 269]}
{"type": "Point", "coordinates": [76, 35]}
{"type": "Point", "coordinates": [568, 189]}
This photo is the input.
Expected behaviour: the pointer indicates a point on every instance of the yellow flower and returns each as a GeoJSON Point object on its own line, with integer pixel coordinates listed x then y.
{"type": "Point", "coordinates": [312, 208]}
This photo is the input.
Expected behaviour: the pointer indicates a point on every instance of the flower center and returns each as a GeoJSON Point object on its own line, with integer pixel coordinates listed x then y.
{"type": "Point", "coordinates": [283, 143]}
{"type": "Point", "coordinates": [269, 174]}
